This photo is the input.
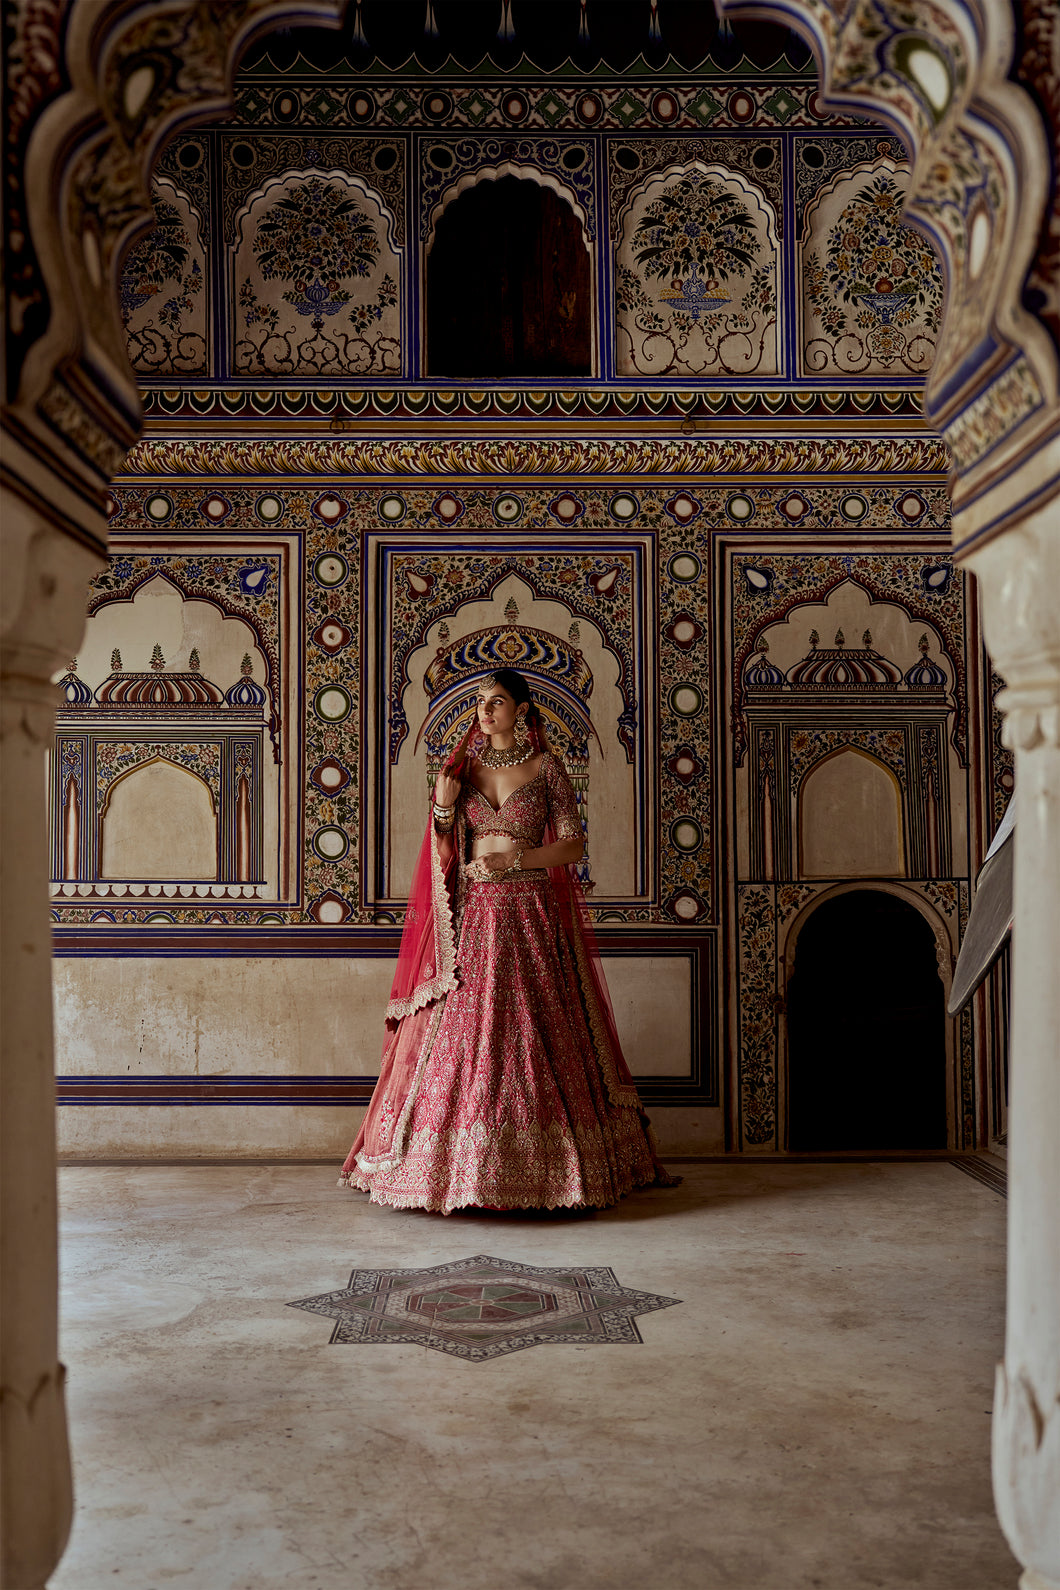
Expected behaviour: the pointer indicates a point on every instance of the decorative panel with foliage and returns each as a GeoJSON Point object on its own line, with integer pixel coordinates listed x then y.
{"type": "Point", "coordinates": [872, 288]}
{"type": "Point", "coordinates": [696, 290]}
{"type": "Point", "coordinates": [317, 281]}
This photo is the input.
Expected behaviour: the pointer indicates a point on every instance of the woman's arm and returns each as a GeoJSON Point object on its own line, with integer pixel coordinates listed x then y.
{"type": "Point", "coordinates": [446, 795]}
{"type": "Point", "coordinates": [561, 854]}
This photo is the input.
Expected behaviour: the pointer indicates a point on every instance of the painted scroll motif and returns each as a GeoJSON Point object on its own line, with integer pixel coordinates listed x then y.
{"type": "Point", "coordinates": [163, 292]}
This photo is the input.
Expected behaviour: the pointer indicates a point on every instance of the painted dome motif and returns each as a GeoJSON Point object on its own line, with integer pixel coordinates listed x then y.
{"type": "Point", "coordinates": [760, 673]}
{"type": "Point", "coordinates": [246, 692]}
{"type": "Point", "coordinates": [156, 688]}
{"type": "Point", "coordinates": [77, 693]}
{"type": "Point", "coordinates": [840, 667]}
{"type": "Point", "coordinates": [926, 674]}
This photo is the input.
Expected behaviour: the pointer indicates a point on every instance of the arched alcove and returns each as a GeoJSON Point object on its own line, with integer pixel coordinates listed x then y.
{"type": "Point", "coordinates": [850, 819]}
{"type": "Point", "coordinates": [866, 1026]}
{"type": "Point", "coordinates": [159, 821]}
{"type": "Point", "coordinates": [509, 287]}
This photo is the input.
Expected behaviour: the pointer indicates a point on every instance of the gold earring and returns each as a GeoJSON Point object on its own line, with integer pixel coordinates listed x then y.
{"type": "Point", "coordinates": [522, 733]}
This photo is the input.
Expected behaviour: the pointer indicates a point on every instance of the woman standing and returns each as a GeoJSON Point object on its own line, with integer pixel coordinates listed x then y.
{"type": "Point", "coordinates": [502, 1083]}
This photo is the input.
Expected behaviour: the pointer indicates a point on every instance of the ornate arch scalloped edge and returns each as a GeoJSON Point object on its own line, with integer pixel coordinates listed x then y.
{"type": "Point", "coordinates": [879, 595]}
{"type": "Point", "coordinates": [988, 336]}
{"type": "Point", "coordinates": [73, 408]}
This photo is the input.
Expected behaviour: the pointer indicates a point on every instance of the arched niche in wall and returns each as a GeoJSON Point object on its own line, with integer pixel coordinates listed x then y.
{"type": "Point", "coordinates": [850, 818]}
{"type": "Point", "coordinates": [163, 675]}
{"type": "Point", "coordinates": [164, 290]}
{"type": "Point", "coordinates": [872, 288]}
{"type": "Point", "coordinates": [159, 820]}
{"type": "Point", "coordinates": [696, 277]}
{"type": "Point", "coordinates": [316, 280]}
{"type": "Point", "coordinates": [869, 1049]}
{"type": "Point", "coordinates": [509, 282]}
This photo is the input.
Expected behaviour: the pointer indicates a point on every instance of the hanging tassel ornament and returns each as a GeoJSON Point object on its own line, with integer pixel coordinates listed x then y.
{"type": "Point", "coordinates": [358, 28]}
{"type": "Point", "coordinates": [430, 25]}
{"type": "Point", "coordinates": [506, 31]}
{"type": "Point", "coordinates": [654, 30]}
{"type": "Point", "coordinates": [583, 23]}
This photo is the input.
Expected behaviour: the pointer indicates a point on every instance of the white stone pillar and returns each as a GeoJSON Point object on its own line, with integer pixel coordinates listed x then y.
{"type": "Point", "coordinates": [1019, 576]}
{"type": "Point", "coordinates": [42, 617]}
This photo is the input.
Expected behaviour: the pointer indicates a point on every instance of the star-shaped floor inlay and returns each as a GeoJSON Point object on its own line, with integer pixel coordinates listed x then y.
{"type": "Point", "coordinates": [481, 1308]}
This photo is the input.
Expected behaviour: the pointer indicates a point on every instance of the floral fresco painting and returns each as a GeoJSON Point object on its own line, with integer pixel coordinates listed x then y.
{"type": "Point", "coordinates": [316, 282]}
{"type": "Point", "coordinates": [696, 290]}
{"type": "Point", "coordinates": [871, 287]}
{"type": "Point", "coordinates": [163, 292]}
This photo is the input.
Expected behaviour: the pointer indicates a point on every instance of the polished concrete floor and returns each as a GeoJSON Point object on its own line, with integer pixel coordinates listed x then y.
{"type": "Point", "coordinates": [815, 1415]}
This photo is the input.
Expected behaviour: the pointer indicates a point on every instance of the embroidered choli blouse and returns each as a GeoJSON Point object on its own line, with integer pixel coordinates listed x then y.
{"type": "Point", "coordinates": [547, 797]}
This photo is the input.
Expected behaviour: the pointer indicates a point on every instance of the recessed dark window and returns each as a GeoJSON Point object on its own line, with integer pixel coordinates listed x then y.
{"type": "Point", "coordinates": [866, 1029]}
{"type": "Point", "coordinates": [508, 285]}
{"type": "Point", "coordinates": [628, 159]}
{"type": "Point", "coordinates": [385, 159]}
{"type": "Point", "coordinates": [813, 156]}
{"type": "Point", "coordinates": [763, 158]}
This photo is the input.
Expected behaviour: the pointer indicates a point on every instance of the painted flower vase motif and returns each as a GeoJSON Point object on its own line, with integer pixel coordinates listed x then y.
{"type": "Point", "coordinates": [871, 260]}
{"type": "Point", "coordinates": [319, 240]}
{"type": "Point", "coordinates": [697, 233]}
{"type": "Point", "coordinates": [695, 296]}
{"type": "Point", "coordinates": [317, 237]}
{"type": "Point", "coordinates": [696, 280]}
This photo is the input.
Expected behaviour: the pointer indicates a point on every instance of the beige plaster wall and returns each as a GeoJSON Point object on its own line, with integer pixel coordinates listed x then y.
{"type": "Point", "coordinates": [152, 1016]}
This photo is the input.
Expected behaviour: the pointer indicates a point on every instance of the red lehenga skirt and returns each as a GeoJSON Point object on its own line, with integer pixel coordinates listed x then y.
{"type": "Point", "coordinates": [500, 1094]}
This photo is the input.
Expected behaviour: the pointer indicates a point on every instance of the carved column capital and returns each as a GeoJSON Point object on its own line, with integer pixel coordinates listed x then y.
{"type": "Point", "coordinates": [1019, 578]}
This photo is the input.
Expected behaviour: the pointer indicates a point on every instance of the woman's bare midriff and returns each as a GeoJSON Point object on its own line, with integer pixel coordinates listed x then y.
{"type": "Point", "coordinates": [490, 844]}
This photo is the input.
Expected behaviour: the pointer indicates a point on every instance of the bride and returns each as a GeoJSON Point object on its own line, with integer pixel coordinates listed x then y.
{"type": "Point", "coordinates": [502, 1083]}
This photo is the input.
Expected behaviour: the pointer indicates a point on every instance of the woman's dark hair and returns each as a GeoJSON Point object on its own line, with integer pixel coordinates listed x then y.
{"type": "Point", "coordinates": [511, 680]}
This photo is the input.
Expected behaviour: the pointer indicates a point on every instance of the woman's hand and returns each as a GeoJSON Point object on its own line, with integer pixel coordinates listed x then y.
{"type": "Point", "coordinates": [446, 789]}
{"type": "Point", "coordinates": [483, 868]}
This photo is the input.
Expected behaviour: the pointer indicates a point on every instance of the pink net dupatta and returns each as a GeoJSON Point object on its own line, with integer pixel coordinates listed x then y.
{"type": "Point", "coordinates": [426, 967]}
{"type": "Point", "coordinates": [426, 971]}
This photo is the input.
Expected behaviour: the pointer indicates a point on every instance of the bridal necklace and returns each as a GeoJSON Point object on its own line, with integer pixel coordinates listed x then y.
{"type": "Point", "coordinates": [504, 756]}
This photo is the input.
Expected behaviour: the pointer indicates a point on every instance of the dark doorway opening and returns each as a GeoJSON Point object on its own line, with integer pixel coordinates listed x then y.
{"type": "Point", "coordinates": [866, 1029]}
{"type": "Point", "coordinates": [508, 285]}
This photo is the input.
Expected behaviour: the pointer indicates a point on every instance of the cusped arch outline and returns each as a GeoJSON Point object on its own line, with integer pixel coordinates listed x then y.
{"type": "Point", "coordinates": [227, 610]}
{"type": "Point", "coordinates": [401, 677]}
{"type": "Point", "coordinates": [878, 597]}
{"type": "Point", "coordinates": [713, 169]}
{"type": "Point", "coordinates": [139, 767]}
{"type": "Point", "coordinates": [848, 748]}
{"type": "Point", "coordinates": [349, 179]}
{"type": "Point", "coordinates": [524, 173]}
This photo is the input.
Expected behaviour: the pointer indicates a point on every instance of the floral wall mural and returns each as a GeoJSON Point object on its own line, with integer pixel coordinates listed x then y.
{"type": "Point", "coordinates": [163, 292]}
{"type": "Point", "coordinates": [696, 279]}
{"type": "Point", "coordinates": [317, 283]}
{"type": "Point", "coordinates": [872, 289]}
